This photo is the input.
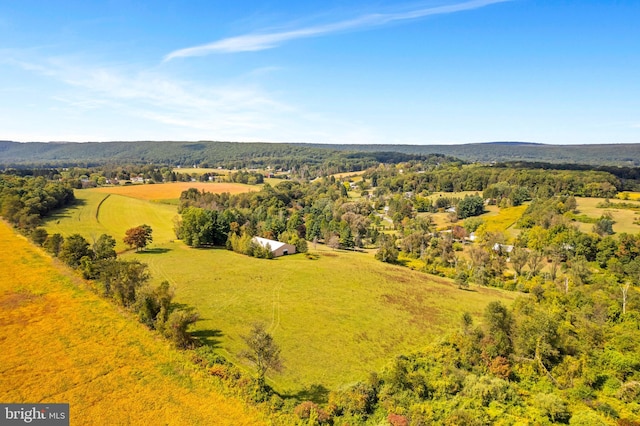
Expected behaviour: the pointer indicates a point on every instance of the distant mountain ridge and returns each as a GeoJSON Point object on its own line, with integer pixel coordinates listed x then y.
{"type": "Point", "coordinates": [253, 153]}
{"type": "Point", "coordinates": [597, 154]}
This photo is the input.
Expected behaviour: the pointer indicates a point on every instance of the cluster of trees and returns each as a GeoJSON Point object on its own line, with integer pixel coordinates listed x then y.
{"type": "Point", "coordinates": [554, 358]}
{"type": "Point", "coordinates": [419, 178]}
{"type": "Point", "coordinates": [244, 244]}
{"type": "Point", "coordinates": [125, 282]}
{"type": "Point", "coordinates": [549, 247]}
{"type": "Point", "coordinates": [247, 177]}
{"type": "Point", "coordinates": [290, 212]}
{"type": "Point", "coordinates": [25, 200]}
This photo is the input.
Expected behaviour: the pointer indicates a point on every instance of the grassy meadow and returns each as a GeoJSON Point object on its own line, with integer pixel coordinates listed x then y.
{"type": "Point", "coordinates": [98, 213]}
{"type": "Point", "coordinates": [114, 209]}
{"type": "Point", "coordinates": [62, 343]}
{"type": "Point", "coordinates": [624, 218]}
{"type": "Point", "coordinates": [336, 315]}
{"type": "Point", "coordinates": [170, 191]}
{"type": "Point", "coordinates": [503, 219]}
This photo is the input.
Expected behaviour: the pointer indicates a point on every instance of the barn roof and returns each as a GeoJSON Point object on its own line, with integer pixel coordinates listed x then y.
{"type": "Point", "coordinates": [275, 245]}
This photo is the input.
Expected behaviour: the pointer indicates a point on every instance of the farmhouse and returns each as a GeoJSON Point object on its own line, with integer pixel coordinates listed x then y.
{"type": "Point", "coordinates": [277, 248]}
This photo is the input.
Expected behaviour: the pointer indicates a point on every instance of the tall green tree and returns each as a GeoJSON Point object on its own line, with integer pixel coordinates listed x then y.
{"type": "Point", "coordinates": [262, 351]}
{"type": "Point", "coordinates": [470, 206]}
{"type": "Point", "coordinates": [104, 247]}
{"type": "Point", "coordinates": [121, 279]}
{"type": "Point", "coordinates": [500, 324]}
{"type": "Point", "coordinates": [74, 248]}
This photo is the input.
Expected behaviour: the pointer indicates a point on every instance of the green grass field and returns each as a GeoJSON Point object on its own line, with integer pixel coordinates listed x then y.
{"type": "Point", "coordinates": [336, 315]}
{"type": "Point", "coordinates": [98, 213]}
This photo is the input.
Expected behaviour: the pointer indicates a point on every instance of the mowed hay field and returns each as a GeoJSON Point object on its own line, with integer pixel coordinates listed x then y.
{"type": "Point", "coordinates": [98, 213]}
{"type": "Point", "coordinates": [623, 218]}
{"type": "Point", "coordinates": [171, 191]}
{"type": "Point", "coordinates": [336, 315]}
{"type": "Point", "coordinates": [112, 210]}
{"type": "Point", "coordinates": [62, 343]}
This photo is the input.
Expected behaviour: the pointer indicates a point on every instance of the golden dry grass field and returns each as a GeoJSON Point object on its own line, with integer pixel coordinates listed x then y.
{"type": "Point", "coordinates": [627, 195]}
{"type": "Point", "coordinates": [62, 343]}
{"type": "Point", "coordinates": [624, 218]}
{"type": "Point", "coordinates": [503, 219]}
{"type": "Point", "coordinates": [168, 191]}
{"type": "Point", "coordinates": [354, 176]}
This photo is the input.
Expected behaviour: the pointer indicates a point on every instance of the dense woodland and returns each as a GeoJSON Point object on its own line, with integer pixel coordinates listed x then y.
{"type": "Point", "coordinates": [595, 155]}
{"type": "Point", "coordinates": [305, 161]}
{"type": "Point", "coordinates": [566, 352]}
{"type": "Point", "coordinates": [332, 158]}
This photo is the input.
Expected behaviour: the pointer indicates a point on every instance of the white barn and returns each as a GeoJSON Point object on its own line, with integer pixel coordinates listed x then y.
{"type": "Point", "coordinates": [277, 248]}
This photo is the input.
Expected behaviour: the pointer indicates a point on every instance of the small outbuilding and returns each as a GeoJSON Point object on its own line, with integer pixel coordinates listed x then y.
{"type": "Point", "coordinates": [277, 248]}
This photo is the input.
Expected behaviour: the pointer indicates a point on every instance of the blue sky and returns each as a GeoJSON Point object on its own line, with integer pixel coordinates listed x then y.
{"type": "Point", "coordinates": [335, 71]}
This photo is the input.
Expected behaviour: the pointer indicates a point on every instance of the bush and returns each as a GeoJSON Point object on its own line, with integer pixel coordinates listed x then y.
{"type": "Point", "coordinates": [39, 236]}
{"type": "Point", "coordinates": [553, 407]}
{"type": "Point", "coordinates": [154, 305]}
{"type": "Point", "coordinates": [177, 325]}
{"type": "Point", "coordinates": [53, 244]}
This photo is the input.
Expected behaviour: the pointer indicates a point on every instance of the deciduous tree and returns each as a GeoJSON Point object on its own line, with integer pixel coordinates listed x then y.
{"type": "Point", "coordinates": [262, 351]}
{"type": "Point", "coordinates": [138, 237]}
{"type": "Point", "coordinates": [104, 247]}
{"type": "Point", "coordinates": [74, 248]}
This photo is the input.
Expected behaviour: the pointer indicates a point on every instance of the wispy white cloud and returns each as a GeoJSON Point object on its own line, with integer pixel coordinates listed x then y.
{"type": "Point", "coordinates": [263, 41]}
{"type": "Point", "coordinates": [235, 110]}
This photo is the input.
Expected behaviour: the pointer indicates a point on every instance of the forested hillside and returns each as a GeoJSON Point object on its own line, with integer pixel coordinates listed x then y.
{"type": "Point", "coordinates": [303, 158]}
{"type": "Point", "coordinates": [592, 154]}
{"type": "Point", "coordinates": [333, 157]}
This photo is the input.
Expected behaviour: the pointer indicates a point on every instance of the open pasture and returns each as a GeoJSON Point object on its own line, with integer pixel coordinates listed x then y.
{"type": "Point", "coordinates": [503, 219]}
{"type": "Point", "coordinates": [336, 315]}
{"type": "Point", "coordinates": [98, 213]}
{"type": "Point", "coordinates": [169, 191]}
{"type": "Point", "coordinates": [201, 170]}
{"type": "Point", "coordinates": [62, 343]}
{"type": "Point", "coordinates": [628, 195]}
{"type": "Point", "coordinates": [353, 176]}
{"type": "Point", "coordinates": [623, 218]}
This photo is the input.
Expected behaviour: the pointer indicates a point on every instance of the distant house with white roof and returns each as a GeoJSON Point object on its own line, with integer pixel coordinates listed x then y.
{"type": "Point", "coordinates": [277, 248]}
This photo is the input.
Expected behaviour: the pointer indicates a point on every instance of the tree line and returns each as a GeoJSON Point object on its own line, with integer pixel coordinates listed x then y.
{"type": "Point", "coordinates": [418, 178]}
{"type": "Point", "coordinates": [25, 200]}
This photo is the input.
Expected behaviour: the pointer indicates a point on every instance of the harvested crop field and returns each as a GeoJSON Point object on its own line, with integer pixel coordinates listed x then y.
{"type": "Point", "coordinates": [169, 191]}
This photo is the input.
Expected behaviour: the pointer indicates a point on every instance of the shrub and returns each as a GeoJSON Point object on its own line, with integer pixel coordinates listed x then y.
{"type": "Point", "coordinates": [177, 325]}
